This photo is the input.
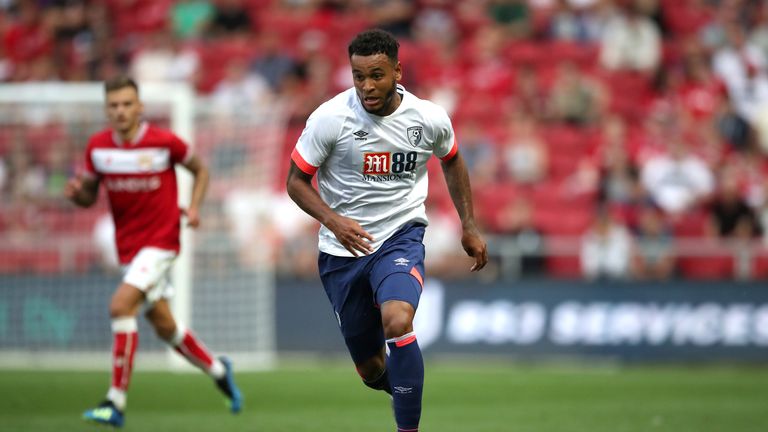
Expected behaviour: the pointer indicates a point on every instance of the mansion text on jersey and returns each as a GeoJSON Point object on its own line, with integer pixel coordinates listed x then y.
{"type": "Point", "coordinates": [389, 177]}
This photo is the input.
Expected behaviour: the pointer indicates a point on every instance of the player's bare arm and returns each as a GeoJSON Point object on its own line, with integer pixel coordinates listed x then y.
{"type": "Point", "coordinates": [457, 178]}
{"type": "Point", "coordinates": [349, 233]}
{"type": "Point", "coordinates": [198, 169]}
{"type": "Point", "coordinates": [83, 191]}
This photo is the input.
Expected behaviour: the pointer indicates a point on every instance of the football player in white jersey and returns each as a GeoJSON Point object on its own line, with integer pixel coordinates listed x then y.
{"type": "Point", "coordinates": [369, 147]}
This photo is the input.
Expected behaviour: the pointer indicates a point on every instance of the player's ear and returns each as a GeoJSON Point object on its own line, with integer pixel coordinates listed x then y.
{"type": "Point", "coordinates": [398, 71]}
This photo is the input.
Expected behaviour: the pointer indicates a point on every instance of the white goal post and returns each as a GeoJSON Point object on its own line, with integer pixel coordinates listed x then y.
{"type": "Point", "coordinates": [229, 302]}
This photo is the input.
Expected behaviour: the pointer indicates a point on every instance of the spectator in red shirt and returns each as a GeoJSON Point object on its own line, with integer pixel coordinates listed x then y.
{"type": "Point", "coordinates": [28, 39]}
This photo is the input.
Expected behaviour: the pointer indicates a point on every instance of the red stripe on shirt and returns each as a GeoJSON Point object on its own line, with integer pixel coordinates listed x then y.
{"type": "Point", "coordinates": [451, 153]}
{"type": "Point", "coordinates": [302, 164]}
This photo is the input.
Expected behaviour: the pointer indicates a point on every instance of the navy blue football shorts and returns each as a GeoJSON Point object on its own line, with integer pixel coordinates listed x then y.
{"type": "Point", "coordinates": [357, 286]}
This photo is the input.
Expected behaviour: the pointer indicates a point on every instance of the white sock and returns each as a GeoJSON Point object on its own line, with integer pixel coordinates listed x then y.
{"type": "Point", "coordinates": [117, 397]}
{"type": "Point", "coordinates": [178, 337]}
{"type": "Point", "coordinates": [124, 324]}
{"type": "Point", "coordinates": [217, 369]}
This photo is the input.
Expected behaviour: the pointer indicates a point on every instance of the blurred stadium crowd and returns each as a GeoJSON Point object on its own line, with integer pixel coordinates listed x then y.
{"type": "Point", "coordinates": [635, 130]}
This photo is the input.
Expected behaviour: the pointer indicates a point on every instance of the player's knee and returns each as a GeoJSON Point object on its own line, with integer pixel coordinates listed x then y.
{"type": "Point", "coordinates": [397, 325]}
{"type": "Point", "coordinates": [118, 309]}
{"type": "Point", "coordinates": [397, 319]}
{"type": "Point", "coordinates": [125, 301]}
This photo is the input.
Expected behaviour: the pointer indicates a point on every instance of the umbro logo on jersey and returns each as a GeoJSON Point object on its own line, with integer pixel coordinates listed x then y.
{"type": "Point", "coordinates": [401, 262]}
{"type": "Point", "coordinates": [361, 135]}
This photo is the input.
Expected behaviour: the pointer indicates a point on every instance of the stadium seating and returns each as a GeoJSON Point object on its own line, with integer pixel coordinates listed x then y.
{"type": "Point", "coordinates": [484, 94]}
{"type": "Point", "coordinates": [707, 267]}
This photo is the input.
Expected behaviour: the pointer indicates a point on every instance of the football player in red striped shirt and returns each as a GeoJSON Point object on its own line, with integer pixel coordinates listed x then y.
{"type": "Point", "coordinates": [135, 162]}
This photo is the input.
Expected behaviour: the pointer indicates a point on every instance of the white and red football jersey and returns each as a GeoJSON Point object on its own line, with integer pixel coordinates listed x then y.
{"type": "Point", "coordinates": [140, 181]}
{"type": "Point", "coordinates": [370, 168]}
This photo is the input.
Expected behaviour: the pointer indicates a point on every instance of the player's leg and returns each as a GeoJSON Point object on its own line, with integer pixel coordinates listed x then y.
{"type": "Point", "coordinates": [123, 308]}
{"type": "Point", "coordinates": [183, 340]}
{"type": "Point", "coordinates": [373, 371]}
{"type": "Point", "coordinates": [186, 343]}
{"type": "Point", "coordinates": [347, 287]}
{"type": "Point", "coordinates": [405, 365]}
{"type": "Point", "coordinates": [145, 271]}
{"type": "Point", "coordinates": [397, 281]}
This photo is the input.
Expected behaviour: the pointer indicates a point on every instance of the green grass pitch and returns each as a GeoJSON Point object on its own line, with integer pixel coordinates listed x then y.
{"type": "Point", "coordinates": [458, 398]}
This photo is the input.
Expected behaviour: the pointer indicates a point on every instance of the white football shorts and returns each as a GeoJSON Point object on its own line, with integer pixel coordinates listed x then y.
{"type": "Point", "coordinates": [149, 271]}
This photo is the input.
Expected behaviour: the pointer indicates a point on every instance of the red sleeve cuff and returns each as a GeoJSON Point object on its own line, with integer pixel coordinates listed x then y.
{"type": "Point", "coordinates": [302, 164]}
{"type": "Point", "coordinates": [187, 157]}
{"type": "Point", "coordinates": [451, 153]}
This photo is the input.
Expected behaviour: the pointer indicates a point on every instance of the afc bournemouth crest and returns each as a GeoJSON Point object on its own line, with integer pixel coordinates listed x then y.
{"type": "Point", "coordinates": [414, 135]}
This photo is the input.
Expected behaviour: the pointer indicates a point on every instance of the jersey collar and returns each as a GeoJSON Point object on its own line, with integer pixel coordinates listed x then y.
{"type": "Point", "coordinates": [400, 90]}
{"type": "Point", "coordinates": [143, 126]}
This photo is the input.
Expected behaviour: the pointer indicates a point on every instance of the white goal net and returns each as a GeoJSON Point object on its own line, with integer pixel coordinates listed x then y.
{"type": "Point", "coordinates": [57, 271]}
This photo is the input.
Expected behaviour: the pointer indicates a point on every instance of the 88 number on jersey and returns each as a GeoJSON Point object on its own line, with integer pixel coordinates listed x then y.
{"type": "Point", "coordinates": [403, 162]}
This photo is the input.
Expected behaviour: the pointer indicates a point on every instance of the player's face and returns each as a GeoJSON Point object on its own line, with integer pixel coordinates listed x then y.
{"type": "Point", "coordinates": [124, 109]}
{"type": "Point", "coordinates": [376, 78]}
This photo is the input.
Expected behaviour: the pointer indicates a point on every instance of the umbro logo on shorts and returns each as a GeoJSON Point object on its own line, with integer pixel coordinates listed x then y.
{"type": "Point", "coordinates": [401, 262]}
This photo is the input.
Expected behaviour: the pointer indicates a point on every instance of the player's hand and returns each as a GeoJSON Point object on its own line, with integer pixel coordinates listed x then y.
{"type": "Point", "coordinates": [193, 217]}
{"type": "Point", "coordinates": [475, 247]}
{"type": "Point", "coordinates": [351, 235]}
{"type": "Point", "coordinates": [73, 187]}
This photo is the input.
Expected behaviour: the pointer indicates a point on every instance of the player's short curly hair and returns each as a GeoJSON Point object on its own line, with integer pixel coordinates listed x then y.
{"type": "Point", "coordinates": [120, 82]}
{"type": "Point", "coordinates": [376, 41]}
